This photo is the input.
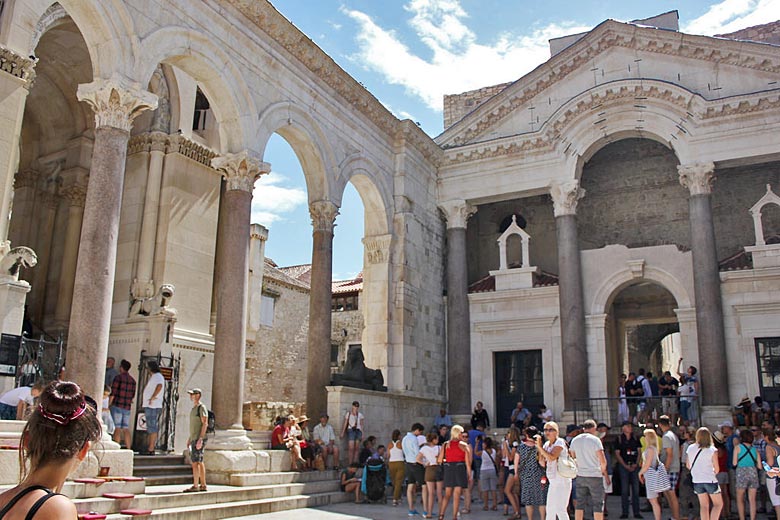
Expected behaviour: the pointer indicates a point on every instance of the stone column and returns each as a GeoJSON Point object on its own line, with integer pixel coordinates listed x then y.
{"type": "Point", "coordinates": [75, 194]}
{"type": "Point", "coordinates": [714, 387]}
{"type": "Point", "coordinates": [25, 187]}
{"type": "Point", "coordinates": [17, 75]}
{"type": "Point", "coordinates": [116, 102]}
{"type": "Point", "coordinates": [565, 197]}
{"type": "Point", "coordinates": [49, 201]}
{"type": "Point", "coordinates": [323, 217]}
{"type": "Point", "coordinates": [457, 213]}
{"type": "Point", "coordinates": [143, 285]}
{"type": "Point", "coordinates": [240, 171]}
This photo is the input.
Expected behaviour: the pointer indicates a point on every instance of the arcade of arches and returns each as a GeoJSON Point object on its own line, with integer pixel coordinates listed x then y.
{"type": "Point", "coordinates": [134, 146]}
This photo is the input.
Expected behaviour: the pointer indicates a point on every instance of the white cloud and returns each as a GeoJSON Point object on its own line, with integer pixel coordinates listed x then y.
{"type": "Point", "coordinates": [458, 62]}
{"type": "Point", "coordinates": [732, 15]}
{"type": "Point", "coordinates": [272, 200]}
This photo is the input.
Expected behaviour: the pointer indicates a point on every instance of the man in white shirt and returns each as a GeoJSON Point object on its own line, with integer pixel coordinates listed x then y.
{"type": "Point", "coordinates": [152, 403]}
{"type": "Point", "coordinates": [414, 471]}
{"type": "Point", "coordinates": [15, 403]}
{"type": "Point", "coordinates": [591, 471]}
{"type": "Point", "coordinates": [325, 437]}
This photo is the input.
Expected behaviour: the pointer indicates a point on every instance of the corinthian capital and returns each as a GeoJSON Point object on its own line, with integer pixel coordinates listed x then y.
{"type": "Point", "coordinates": [116, 101]}
{"type": "Point", "coordinates": [457, 212]}
{"type": "Point", "coordinates": [18, 66]}
{"type": "Point", "coordinates": [697, 177]}
{"type": "Point", "coordinates": [565, 197]}
{"type": "Point", "coordinates": [75, 194]}
{"type": "Point", "coordinates": [240, 170]}
{"type": "Point", "coordinates": [323, 215]}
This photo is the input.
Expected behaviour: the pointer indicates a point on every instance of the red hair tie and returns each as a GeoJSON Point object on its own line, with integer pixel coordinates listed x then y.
{"type": "Point", "coordinates": [63, 420]}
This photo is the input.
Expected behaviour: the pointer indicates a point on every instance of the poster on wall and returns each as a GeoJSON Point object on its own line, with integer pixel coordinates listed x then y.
{"type": "Point", "coordinates": [9, 354]}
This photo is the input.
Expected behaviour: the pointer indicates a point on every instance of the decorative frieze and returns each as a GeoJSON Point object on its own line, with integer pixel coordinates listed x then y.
{"type": "Point", "coordinates": [323, 215]}
{"type": "Point", "coordinates": [240, 170]}
{"type": "Point", "coordinates": [565, 197]}
{"type": "Point", "coordinates": [697, 177]}
{"type": "Point", "coordinates": [116, 101]}
{"type": "Point", "coordinates": [457, 212]}
{"type": "Point", "coordinates": [18, 66]}
{"type": "Point", "coordinates": [175, 143]}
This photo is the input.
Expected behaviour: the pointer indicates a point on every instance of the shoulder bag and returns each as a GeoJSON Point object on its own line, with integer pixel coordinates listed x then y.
{"type": "Point", "coordinates": [656, 478]}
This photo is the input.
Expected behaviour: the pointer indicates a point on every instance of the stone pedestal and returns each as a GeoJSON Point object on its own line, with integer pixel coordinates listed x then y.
{"type": "Point", "coordinates": [713, 415]}
{"type": "Point", "coordinates": [765, 255]}
{"type": "Point", "coordinates": [517, 278]}
{"type": "Point", "coordinates": [323, 215]}
{"type": "Point", "coordinates": [116, 103]}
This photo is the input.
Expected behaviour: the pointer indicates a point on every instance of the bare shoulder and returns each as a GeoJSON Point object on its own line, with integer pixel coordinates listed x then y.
{"type": "Point", "coordinates": [58, 507]}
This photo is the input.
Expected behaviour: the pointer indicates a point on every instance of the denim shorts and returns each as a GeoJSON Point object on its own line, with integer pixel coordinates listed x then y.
{"type": "Point", "coordinates": [121, 417]}
{"type": "Point", "coordinates": [708, 488]}
{"type": "Point", "coordinates": [354, 435]}
{"type": "Point", "coordinates": [152, 419]}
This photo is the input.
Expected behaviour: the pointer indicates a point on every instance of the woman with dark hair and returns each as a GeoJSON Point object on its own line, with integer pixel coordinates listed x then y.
{"type": "Point", "coordinates": [747, 460]}
{"type": "Point", "coordinates": [532, 493]}
{"type": "Point", "coordinates": [56, 438]}
{"type": "Point", "coordinates": [396, 465]}
{"type": "Point", "coordinates": [509, 451]}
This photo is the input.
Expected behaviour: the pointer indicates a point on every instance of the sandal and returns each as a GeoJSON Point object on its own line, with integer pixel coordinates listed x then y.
{"type": "Point", "coordinates": [203, 487]}
{"type": "Point", "coordinates": [191, 489]}
{"type": "Point", "coordinates": [494, 508]}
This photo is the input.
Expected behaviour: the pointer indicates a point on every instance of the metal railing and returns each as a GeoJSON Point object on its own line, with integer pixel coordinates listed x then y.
{"type": "Point", "coordinates": [640, 410]}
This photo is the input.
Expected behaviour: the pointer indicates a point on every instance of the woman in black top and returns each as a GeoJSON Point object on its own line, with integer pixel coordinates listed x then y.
{"type": "Point", "coordinates": [56, 438]}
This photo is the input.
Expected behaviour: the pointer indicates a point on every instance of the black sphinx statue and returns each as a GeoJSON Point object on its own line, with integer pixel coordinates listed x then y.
{"type": "Point", "coordinates": [357, 375]}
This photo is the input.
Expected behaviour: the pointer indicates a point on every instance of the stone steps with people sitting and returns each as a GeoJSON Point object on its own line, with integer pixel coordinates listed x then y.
{"type": "Point", "coordinates": [267, 493]}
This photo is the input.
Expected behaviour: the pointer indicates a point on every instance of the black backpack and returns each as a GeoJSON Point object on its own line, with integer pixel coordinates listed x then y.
{"type": "Point", "coordinates": [211, 424]}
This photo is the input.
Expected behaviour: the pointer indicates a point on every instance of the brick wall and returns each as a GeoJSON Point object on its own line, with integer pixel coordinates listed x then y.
{"type": "Point", "coordinates": [767, 33]}
{"type": "Point", "coordinates": [350, 321]}
{"type": "Point", "coordinates": [458, 105]}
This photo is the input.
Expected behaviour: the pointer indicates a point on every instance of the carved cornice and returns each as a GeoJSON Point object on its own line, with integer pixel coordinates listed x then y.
{"type": "Point", "coordinates": [291, 39]}
{"type": "Point", "coordinates": [258, 232]}
{"type": "Point", "coordinates": [149, 141]}
{"type": "Point", "coordinates": [116, 101]}
{"type": "Point", "coordinates": [697, 177]}
{"type": "Point", "coordinates": [610, 34]}
{"type": "Point", "coordinates": [377, 248]}
{"type": "Point", "coordinates": [240, 170]}
{"type": "Point", "coordinates": [17, 66]}
{"type": "Point", "coordinates": [457, 212]}
{"type": "Point", "coordinates": [26, 179]}
{"type": "Point", "coordinates": [323, 215]}
{"type": "Point", "coordinates": [565, 197]}
{"type": "Point", "coordinates": [742, 105]}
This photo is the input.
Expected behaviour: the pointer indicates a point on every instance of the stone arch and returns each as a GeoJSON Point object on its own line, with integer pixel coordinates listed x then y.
{"type": "Point", "coordinates": [105, 25]}
{"type": "Point", "coordinates": [611, 287]}
{"type": "Point", "coordinates": [374, 193]}
{"type": "Point", "coordinates": [666, 114]}
{"type": "Point", "coordinates": [307, 140]}
{"type": "Point", "coordinates": [203, 60]}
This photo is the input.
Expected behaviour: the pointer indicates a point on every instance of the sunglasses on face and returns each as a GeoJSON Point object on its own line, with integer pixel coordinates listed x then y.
{"type": "Point", "coordinates": [549, 429]}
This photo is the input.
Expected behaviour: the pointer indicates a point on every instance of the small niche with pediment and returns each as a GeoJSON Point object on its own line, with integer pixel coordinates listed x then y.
{"type": "Point", "coordinates": [509, 275]}
{"type": "Point", "coordinates": [764, 255]}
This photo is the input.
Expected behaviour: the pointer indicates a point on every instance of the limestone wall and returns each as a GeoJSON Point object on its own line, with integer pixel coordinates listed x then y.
{"type": "Point", "coordinates": [276, 363]}
{"type": "Point", "coordinates": [458, 105]}
{"type": "Point", "coordinates": [352, 323]}
{"type": "Point", "coordinates": [768, 33]}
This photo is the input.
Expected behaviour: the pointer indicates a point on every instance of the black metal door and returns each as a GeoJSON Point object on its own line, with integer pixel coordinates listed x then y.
{"type": "Point", "coordinates": [518, 377]}
{"type": "Point", "coordinates": [169, 368]}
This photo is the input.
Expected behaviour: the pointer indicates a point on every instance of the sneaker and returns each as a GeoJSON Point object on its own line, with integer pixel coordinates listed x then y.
{"type": "Point", "coordinates": [413, 512]}
{"type": "Point", "coordinates": [623, 516]}
{"type": "Point", "coordinates": [638, 516]}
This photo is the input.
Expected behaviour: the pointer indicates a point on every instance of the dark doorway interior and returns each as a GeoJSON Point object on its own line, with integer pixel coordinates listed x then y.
{"type": "Point", "coordinates": [518, 377]}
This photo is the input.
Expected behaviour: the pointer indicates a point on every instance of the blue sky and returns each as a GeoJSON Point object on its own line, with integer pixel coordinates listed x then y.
{"type": "Point", "coordinates": [409, 53]}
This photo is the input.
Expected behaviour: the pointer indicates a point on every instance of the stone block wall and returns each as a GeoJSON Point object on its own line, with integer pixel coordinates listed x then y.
{"type": "Point", "coordinates": [352, 323]}
{"type": "Point", "coordinates": [276, 363]}
{"type": "Point", "coordinates": [483, 231]}
{"type": "Point", "coordinates": [458, 105]}
{"type": "Point", "coordinates": [767, 33]}
{"type": "Point", "coordinates": [261, 415]}
{"type": "Point", "coordinates": [633, 197]}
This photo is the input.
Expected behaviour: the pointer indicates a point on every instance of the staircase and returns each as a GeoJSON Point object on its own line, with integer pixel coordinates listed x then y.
{"type": "Point", "coordinates": [161, 470]}
{"type": "Point", "coordinates": [269, 493]}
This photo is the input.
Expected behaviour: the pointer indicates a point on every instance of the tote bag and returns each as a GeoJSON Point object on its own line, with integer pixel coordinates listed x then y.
{"type": "Point", "coordinates": [657, 479]}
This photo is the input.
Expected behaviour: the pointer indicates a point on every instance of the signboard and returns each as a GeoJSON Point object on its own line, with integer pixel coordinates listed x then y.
{"type": "Point", "coordinates": [9, 354]}
{"type": "Point", "coordinates": [140, 422]}
{"type": "Point", "coordinates": [167, 373]}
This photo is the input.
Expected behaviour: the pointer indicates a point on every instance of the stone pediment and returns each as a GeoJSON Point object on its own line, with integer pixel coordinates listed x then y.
{"type": "Point", "coordinates": [712, 68]}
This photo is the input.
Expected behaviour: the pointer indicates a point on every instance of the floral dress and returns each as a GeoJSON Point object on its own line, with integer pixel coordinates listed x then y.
{"type": "Point", "coordinates": [532, 492]}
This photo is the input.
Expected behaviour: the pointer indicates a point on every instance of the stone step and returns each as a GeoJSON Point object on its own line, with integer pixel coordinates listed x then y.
{"type": "Point", "coordinates": [279, 478]}
{"type": "Point", "coordinates": [150, 471]}
{"type": "Point", "coordinates": [215, 511]}
{"type": "Point", "coordinates": [222, 495]}
{"type": "Point", "coordinates": [164, 480]}
{"type": "Point", "coordinates": [157, 460]}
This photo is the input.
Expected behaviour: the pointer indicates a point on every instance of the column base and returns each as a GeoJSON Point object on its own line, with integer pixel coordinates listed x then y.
{"type": "Point", "coordinates": [233, 439]}
{"type": "Point", "coordinates": [462, 419]}
{"type": "Point", "coordinates": [713, 415]}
